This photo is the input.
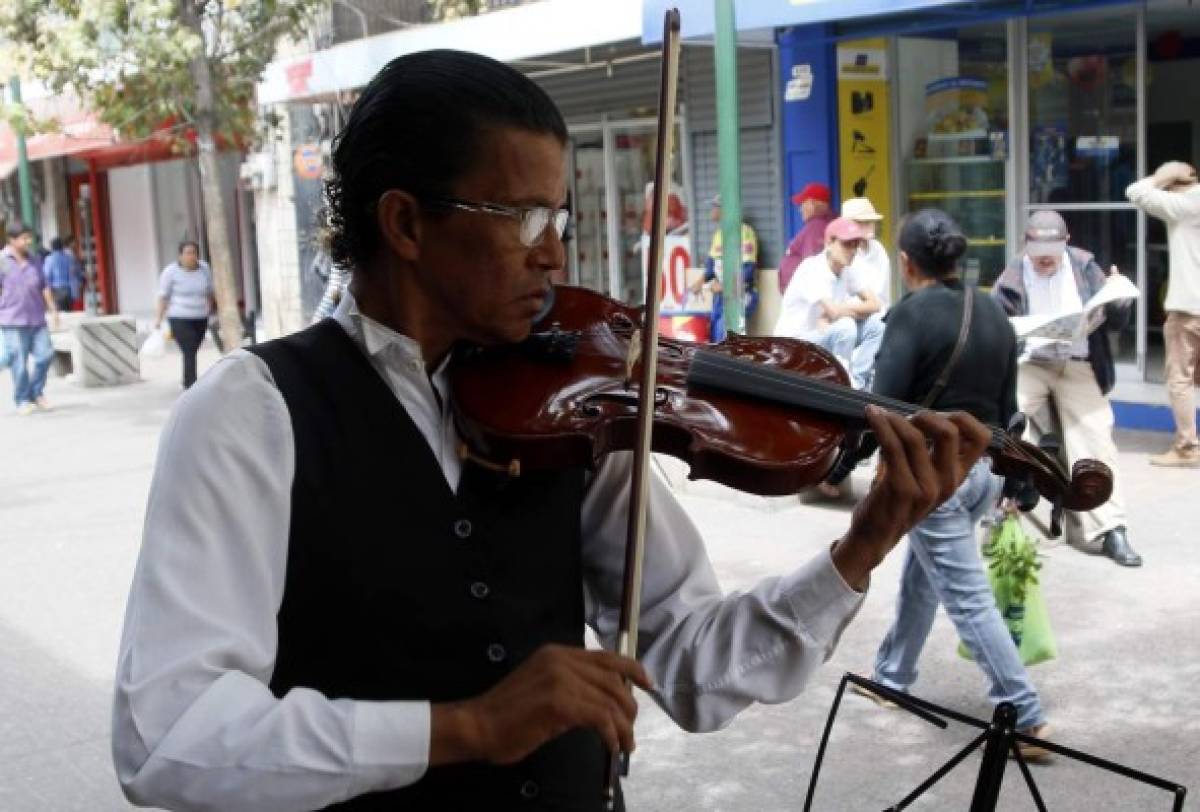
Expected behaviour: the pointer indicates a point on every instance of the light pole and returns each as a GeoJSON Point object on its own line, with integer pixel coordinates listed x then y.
{"type": "Point", "coordinates": [23, 182]}
{"type": "Point", "coordinates": [729, 163]}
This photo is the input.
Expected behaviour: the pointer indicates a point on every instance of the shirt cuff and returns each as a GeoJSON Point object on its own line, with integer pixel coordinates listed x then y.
{"type": "Point", "coordinates": [821, 599]}
{"type": "Point", "coordinates": [390, 745]}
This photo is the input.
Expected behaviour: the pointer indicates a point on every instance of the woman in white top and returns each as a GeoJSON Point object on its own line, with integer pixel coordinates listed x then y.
{"type": "Point", "coordinates": [185, 298]}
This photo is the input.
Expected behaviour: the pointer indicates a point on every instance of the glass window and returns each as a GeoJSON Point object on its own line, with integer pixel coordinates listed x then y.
{"type": "Point", "coordinates": [1082, 107]}
{"type": "Point", "coordinates": [953, 117]}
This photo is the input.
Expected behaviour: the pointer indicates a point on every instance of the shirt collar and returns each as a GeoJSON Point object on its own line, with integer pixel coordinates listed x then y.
{"type": "Point", "coordinates": [377, 339]}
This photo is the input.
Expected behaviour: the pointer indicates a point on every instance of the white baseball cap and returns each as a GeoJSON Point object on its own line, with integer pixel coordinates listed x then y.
{"type": "Point", "coordinates": [860, 210]}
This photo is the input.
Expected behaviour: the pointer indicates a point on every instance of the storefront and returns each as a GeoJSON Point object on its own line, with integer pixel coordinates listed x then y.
{"type": "Point", "coordinates": [611, 117]}
{"type": "Point", "coordinates": [995, 111]}
{"type": "Point", "coordinates": [605, 81]}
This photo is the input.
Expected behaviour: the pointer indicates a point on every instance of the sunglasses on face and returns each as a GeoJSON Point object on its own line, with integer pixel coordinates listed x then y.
{"type": "Point", "coordinates": [534, 220]}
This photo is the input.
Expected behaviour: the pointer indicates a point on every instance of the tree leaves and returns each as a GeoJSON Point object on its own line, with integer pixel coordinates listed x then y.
{"type": "Point", "coordinates": [128, 60]}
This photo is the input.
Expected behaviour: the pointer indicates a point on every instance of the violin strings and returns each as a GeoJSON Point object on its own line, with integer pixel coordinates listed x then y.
{"type": "Point", "coordinates": [839, 394]}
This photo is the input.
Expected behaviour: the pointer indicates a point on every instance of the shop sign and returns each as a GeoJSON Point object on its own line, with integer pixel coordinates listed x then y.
{"type": "Point", "coordinates": [298, 74]}
{"type": "Point", "coordinates": [861, 63]}
{"type": "Point", "coordinates": [799, 87]}
{"type": "Point", "coordinates": [1097, 146]}
{"type": "Point", "coordinates": [676, 261]}
{"type": "Point", "coordinates": [308, 161]}
{"type": "Point", "coordinates": [864, 127]}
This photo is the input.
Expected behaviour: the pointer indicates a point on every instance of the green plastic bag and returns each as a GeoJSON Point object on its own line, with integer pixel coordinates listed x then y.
{"type": "Point", "coordinates": [1012, 564]}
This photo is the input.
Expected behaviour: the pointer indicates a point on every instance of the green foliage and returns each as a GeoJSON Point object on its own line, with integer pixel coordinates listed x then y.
{"type": "Point", "coordinates": [1015, 557]}
{"type": "Point", "coordinates": [453, 9]}
{"type": "Point", "coordinates": [22, 120]}
{"type": "Point", "coordinates": [128, 60]}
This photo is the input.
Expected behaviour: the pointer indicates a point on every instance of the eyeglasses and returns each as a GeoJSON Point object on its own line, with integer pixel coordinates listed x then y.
{"type": "Point", "coordinates": [534, 220]}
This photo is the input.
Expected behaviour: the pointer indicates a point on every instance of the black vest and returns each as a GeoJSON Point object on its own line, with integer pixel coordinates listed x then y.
{"type": "Point", "coordinates": [398, 588]}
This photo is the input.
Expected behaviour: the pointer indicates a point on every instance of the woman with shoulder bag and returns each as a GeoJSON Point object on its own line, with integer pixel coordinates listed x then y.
{"type": "Point", "coordinates": [950, 349]}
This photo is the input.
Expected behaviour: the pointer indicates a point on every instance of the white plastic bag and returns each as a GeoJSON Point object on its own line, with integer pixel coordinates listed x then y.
{"type": "Point", "coordinates": [155, 345]}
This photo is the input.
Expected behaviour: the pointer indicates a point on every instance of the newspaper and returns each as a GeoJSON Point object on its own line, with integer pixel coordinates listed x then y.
{"type": "Point", "coordinates": [1048, 329]}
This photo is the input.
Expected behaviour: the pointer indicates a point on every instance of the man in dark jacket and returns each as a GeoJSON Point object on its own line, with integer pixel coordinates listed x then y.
{"type": "Point", "coordinates": [1073, 378]}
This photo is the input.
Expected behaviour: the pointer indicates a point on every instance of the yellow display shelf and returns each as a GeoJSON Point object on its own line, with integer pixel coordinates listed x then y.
{"type": "Point", "coordinates": [944, 195]}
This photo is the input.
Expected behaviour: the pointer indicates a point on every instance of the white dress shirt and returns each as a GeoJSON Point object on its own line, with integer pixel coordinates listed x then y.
{"type": "Point", "coordinates": [812, 283]}
{"type": "Point", "coordinates": [195, 725]}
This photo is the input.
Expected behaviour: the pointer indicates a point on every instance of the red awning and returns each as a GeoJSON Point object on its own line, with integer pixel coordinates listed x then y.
{"type": "Point", "coordinates": [81, 135]}
{"type": "Point", "coordinates": [79, 131]}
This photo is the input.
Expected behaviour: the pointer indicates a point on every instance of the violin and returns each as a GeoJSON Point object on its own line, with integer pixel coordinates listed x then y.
{"type": "Point", "coordinates": [760, 414]}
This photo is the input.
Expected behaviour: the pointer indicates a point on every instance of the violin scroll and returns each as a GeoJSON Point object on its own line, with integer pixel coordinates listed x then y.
{"type": "Point", "coordinates": [1091, 485]}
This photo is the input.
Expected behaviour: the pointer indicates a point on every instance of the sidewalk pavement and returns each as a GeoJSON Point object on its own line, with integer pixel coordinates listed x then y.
{"type": "Point", "coordinates": [73, 486]}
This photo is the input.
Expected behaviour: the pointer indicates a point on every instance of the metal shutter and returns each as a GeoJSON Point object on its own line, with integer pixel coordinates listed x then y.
{"type": "Point", "coordinates": [759, 145]}
{"type": "Point", "coordinates": [629, 90]}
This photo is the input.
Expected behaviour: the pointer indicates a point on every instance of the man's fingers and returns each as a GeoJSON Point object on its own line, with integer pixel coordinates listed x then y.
{"type": "Point", "coordinates": [626, 667]}
{"type": "Point", "coordinates": [593, 707]}
{"type": "Point", "coordinates": [974, 437]}
{"type": "Point", "coordinates": [887, 427]}
{"type": "Point", "coordinates": [926, 481]}
{"type": "Point", "coordinates": [945, 461]}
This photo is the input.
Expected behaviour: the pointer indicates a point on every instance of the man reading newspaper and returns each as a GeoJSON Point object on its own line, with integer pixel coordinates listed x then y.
{"type": "Point", "coordinates": [1068, 364]}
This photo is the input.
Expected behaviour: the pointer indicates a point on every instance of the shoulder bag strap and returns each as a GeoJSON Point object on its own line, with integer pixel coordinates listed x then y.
{"type": "Point", "coordinates": [963, 330]}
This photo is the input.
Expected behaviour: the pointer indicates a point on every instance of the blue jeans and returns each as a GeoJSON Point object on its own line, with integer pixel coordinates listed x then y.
{"type": "Point", "coordinates": [855, 342]}
{"type": "Point", "coordinates": [24, 343]}
{"type": "Point", "coordinates": [862, 360]}
{"type": "Point", "coordinates": [942, 566]}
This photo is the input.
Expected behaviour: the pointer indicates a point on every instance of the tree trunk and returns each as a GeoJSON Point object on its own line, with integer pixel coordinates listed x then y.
{"type": "Point", "coordinates": [211, 187]}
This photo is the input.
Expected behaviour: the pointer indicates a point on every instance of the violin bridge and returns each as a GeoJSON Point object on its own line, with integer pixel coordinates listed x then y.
{"type": "Point", "coordinates": [631, 358]}
{"type": "Point", "coordinates": [512, 469]}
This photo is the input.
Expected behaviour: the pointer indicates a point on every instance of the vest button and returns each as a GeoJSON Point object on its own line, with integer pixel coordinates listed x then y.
{"type": "Point", "coordinates": [496, 653]}
{"type": "Point", "coordinates": [480, 590]}
{"type": "Point", "coordinates": [462, 528]}
{"type": "Point", "coordinates": [530, 790]}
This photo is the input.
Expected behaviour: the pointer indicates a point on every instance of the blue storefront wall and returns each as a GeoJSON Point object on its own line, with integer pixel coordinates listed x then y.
{"type": "Point", "coordinates": [854, 18]}
{"type": "Point", "coordinates": [808, 115]}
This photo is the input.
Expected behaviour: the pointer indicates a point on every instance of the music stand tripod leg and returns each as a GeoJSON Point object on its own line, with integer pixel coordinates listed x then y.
{"type": "Point", "coordinates": [1000, 740]}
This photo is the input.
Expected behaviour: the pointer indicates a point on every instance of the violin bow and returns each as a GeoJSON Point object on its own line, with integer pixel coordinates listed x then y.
{"type": "Point", "coordinates": [635, 539]}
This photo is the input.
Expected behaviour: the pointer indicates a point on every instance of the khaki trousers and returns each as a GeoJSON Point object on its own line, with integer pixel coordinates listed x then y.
{"type": "Point", "coordinates": [1181, 334]}
{"type": "Point", "coordinates": [1085, 419]}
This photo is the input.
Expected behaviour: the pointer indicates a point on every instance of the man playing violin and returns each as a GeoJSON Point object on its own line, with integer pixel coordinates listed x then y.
{"type": "Point", "coordinates": [332, 608]}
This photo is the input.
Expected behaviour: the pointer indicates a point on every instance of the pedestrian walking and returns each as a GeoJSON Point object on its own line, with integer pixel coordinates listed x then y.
{"type": "Point", "coordinates": [1052, 277]}
{"type": "Point", "coordinates": [1172, 194]}
{"type": "Point", "coordinates": [940, 340]}
{"type": "Point", "coordinates": [57, 268]}
{"type": "Point", "coordinates": [25, 299]}
{"type": "Point", "coordinates": [71, 247]}
{"type": "Point", "coordinates": [185, 298]}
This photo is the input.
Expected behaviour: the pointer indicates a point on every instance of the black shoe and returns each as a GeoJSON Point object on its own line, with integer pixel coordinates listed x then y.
{"type": "Point", "coordinates": [1116, 546]}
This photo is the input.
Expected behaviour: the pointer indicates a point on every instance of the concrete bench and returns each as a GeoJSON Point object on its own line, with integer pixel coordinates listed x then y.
{"type": "Point", "coordinates": [99, 350]}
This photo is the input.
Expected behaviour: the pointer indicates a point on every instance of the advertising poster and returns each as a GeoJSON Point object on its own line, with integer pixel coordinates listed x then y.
{"type": "Point", "coordinates": [864, 137]}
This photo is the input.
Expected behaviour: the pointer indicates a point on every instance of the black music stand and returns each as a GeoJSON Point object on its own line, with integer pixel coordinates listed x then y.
{"type": "Point", "coordinates": [999, 738]}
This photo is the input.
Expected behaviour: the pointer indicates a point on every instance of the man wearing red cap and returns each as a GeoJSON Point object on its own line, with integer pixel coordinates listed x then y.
{"type": "Point", "coordinates": [829, 303]}
{"type": "Point", "coordinates": [813, 201]}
